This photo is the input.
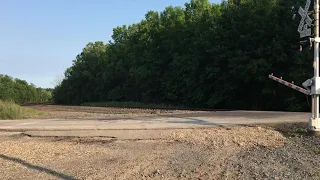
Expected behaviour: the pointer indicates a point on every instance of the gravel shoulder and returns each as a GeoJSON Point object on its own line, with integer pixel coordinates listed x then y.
{"type": "Point", "coordinates": [259, 152]}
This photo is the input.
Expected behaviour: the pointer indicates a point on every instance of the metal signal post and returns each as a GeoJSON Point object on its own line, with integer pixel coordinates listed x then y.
{"type": "Point", "coordinates": [314, 122]}
{"type": "Point", "coordinates": [312, 85]}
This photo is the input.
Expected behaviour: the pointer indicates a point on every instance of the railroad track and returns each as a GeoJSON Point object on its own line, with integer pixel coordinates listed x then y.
{"type": "Point", "coordinates": [135, 107]}
{"type": "Point", "coordinates": [169, 109]}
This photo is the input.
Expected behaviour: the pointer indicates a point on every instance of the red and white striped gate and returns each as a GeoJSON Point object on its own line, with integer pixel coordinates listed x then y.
{"type": "Point", "coordinates": [291, 85]}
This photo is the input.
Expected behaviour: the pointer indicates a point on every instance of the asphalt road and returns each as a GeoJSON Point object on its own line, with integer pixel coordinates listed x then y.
{"type": "Point", "coordinates": [176, 121]}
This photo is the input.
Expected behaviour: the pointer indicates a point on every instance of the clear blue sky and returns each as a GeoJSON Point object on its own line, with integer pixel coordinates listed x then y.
{"type": "Point", "coordinates": [40, 38]}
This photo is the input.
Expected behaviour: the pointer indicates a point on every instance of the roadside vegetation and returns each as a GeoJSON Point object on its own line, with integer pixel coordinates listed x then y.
{"type": "Point", "coordinates": [14, 92]}
{"type": "Point", "coordinates": [21, 92]}
{"type": "Point", "coordinates": [11, 110]}
{"type": "Point", "coordinates": [201, 55]}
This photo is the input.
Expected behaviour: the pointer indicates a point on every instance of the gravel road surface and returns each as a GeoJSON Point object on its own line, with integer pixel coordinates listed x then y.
{"type": "Point", "coordinates": [117, 143]}
{"type": "Point", "coordinates": [210, 153]}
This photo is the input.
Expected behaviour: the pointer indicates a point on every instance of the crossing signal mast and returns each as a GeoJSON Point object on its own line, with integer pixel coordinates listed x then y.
{"type": "Point", "coordinates": [311, 86]}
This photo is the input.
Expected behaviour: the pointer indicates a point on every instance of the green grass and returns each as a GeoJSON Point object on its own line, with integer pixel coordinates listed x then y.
{"type": "Point", "coordinates": [10, 110]}
{"type": "Point", "coordinates": [130, 105]}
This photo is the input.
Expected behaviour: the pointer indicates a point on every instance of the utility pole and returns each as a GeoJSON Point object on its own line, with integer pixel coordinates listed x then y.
{"type": "Point", "coordinates": [312, 86]}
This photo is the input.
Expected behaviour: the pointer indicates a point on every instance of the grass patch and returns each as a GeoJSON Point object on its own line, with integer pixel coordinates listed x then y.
{"type": "Point", "coordinates": [290, 129]}
{"type": "Point", "coordinates": [131, 104]}
{"type": "Point", "coordinates": [10, 110]}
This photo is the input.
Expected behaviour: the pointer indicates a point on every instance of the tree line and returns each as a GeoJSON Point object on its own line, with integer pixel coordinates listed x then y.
{"type": "Point", "coordinates": [21, 92]}
{"type": "Point", "coordinates": [201, 55]}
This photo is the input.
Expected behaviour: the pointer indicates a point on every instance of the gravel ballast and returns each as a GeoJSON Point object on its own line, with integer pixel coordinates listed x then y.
{"type": "Point", "coordinates": [212, 153]}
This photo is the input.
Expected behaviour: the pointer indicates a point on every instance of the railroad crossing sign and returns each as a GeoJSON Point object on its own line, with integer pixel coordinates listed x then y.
{"type": "Point", "coordinates": [312, 86]}
{"type": "Point", "coordinates": [306, 21]}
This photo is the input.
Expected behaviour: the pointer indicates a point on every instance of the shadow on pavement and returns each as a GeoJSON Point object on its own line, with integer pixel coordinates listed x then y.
{"type": "Point", "coordinates": [189, 120]}
{"type": "Point", "coordinates": [39, 168]}
{"type": "Point", "coordinates": [192, 121]}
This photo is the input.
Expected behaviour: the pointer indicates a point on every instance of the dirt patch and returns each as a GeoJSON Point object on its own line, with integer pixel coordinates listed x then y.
{"type": "Point", "coordinates": [220, 137]}
{"type": "Point", "coordinates": [82, 112]}
{"type": "Point", "coordinates": [215, 153]}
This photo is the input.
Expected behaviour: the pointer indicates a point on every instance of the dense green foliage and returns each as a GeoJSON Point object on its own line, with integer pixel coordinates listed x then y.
{"type": "Point", "coordinates": [201, 55]}
{"type": "Point", "coordinates": [20, 92]}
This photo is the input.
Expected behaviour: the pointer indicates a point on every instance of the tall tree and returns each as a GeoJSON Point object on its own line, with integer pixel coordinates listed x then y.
{"type": "Point", "coordinates": [199, 55]}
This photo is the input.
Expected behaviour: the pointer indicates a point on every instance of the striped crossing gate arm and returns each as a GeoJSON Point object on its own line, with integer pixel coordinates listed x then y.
{"type": "Point", "coordinates": [291, 85]}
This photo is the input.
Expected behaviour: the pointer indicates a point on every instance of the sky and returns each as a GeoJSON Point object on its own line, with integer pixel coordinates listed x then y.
{"type": "Point", "coordinates": [40, 38]}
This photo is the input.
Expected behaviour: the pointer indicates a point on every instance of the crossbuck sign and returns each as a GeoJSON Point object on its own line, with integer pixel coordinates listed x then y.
{"type": "Point", "coordinates": [311, 86]}
{"type": "Point", "coordinates": [306, 21]}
